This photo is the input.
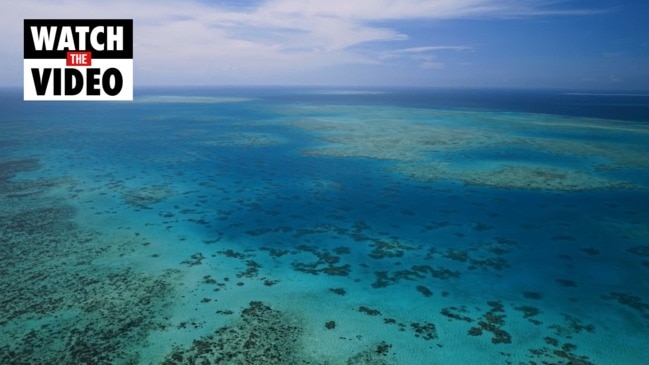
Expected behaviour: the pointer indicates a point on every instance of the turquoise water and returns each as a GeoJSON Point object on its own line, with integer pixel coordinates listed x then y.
{"type": "Point", "coordinates": [308, 226]}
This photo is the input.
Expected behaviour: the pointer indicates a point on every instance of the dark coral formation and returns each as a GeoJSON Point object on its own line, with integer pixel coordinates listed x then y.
{"type": "Point", "coordinates": [384, 278]}
{"type": "Point", "coordinates": [424, 291]}
{"type": "Point", "coordinates": [194, 260]}
{"type": "Point", "coordinates": [369, 311]}
{"type": "Point", "coordinates": [532, 295]}
{"type": "Point", "coordinates": [251, 271]}
{"type": "Point", "coordinates": [373, 356]}
{"type": "Point", "coordinates": [85, 313]}
{"type": "Point", "coordinates": [143, 198]}
{"type": "Point", "coordinates": [528, 311]}
{"type": "Point", "coordinates": [115, 313]}
{"type": "Point", "coordinates": [571, 326]}
{"type": "Point", "coordinates": [566, 283]}
{"type": "Point", "coordinates": [642, 251]}
{"type": "Point", "coordinates": [629, 300]}
{"type": "Point", "coordinates": [9, 168]}
{"type": "Point", "coordinates": [591, 251]}
{"type": "Point", "coordinates": [41, 219]}
{"type": "Point", "coordinates": [264, 336]}
{"type": "Point", "coordinates": [233, 254]}
{"type": "Point", "coordinates": [90, 314]}
{"type": "Point", "coordinates": [456, 313]}
{"type": "Point", "coordinates": [383, 249]}
{"type": "Point", "coordinates": [493, 321]}
{"type": "Point", "coordinates": [481, 255]}
{"type": "Point", "coordinates": [261, 335]}
{"type": "Point", "coordinates": [275, 252]}
{"type": "Point", "coordinates": [425, 330]}
{"type": "Point", "coordinates": [339, 291]}
{"type": "Point", "coordinates": [557, 353]}
{"type": "Point", "coordinates": [326, 263]}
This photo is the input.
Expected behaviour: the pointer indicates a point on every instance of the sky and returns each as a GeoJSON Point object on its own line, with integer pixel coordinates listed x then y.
{"type": "Point", "coordinates": [565, 44]}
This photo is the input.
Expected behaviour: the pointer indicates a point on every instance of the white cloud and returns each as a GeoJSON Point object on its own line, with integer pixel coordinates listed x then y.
{"type": "Point", "coordinates": [431, 65]}
{"type": "Point", "coordinates": [426, 55]}
{"type": "Point", "coordinates": [431, 48]}
{"type": "Point", "coordinates": [196, 42]}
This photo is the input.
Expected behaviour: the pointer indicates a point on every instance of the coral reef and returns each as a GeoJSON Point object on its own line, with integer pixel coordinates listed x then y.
{"type": "Point", "coordinates": [571, 326]}
{"type": "Point", "coordinates": [384, 278]}
{"type": "Point", "coordinates": [58, 305]}
{"type": "Point", "coordinates": [427, 151]}
{"type": "Point", "coordinates": [532, 295]}
{"type": "Point", "coordinates": [143, 198]}
{"type": "Point", "coordinates": [326, 263]}
{"type": "Point", "coordinates": [384, 249]}
{"type": "Point", "coordinates": [424, 291]}
{"type": "Point", "coordinates": [9, 168]}
{"type": "Point", "coordinates": [642, 251]}
{"type": "Point", "coordinates": [194, 260]}
{"type": "Point", "coordinates": [450, 312]}
{"type": "Point", "coordinates": [369, 311]}
{"type": "Point", "coordinates": [558, 352]}
{"type": "Point", "coordinates": [373, 356]}
{"type": "Point", "coordinates": [261, 335]}
{"type": "Point", "coordinates": [243, 139]}
{"type": "Point", "coordinates": [88, 315]}
{"type": "Point", "coordinates": [629, 300]}
{"type": "Point", "coordinates": [493, 321]}
{"type": "Point", "coordinates": [425, 330]}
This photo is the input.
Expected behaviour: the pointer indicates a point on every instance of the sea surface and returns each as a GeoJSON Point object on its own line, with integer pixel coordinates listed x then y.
{"type": "Point", "coordinates": [325, 226]}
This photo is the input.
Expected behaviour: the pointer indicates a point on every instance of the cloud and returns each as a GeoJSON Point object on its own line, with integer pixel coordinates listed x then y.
{"type": "Point", "coordinates": [372, 10]}
{"type": "Point", "coordinates": [198, 42]}
{"type": "Point", "coordinates": [425, 56]}
{"type": "Point", "coordinates": [431, 48]}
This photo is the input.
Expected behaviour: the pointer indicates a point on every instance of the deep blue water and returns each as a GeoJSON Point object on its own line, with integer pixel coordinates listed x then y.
{"type": "Point", "coordinates": [616, 105]}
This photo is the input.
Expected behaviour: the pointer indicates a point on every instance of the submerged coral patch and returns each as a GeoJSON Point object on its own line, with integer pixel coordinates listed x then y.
{"type": "Point", "coordinates": [642, 251]}
{"type": "Point", "coordinates": [629, 300]}
{"type": "Point", "coordinates": [493, 321]}
{"type": "Point", "coordinates": [374, 356]}
{"type": "Point", "coordinates": [241, 140]}
{"type": "Point", "coordinates": [144, 197]}
{"type": "Point", "coordinates": [514, 177]}
{"type": "Point", "coordinates": [8, 168]}
{"type": "Point", "coordinates": [84, 312]}
{"type": "Point", "coordinates": [261, 335]}
{"type": "Point", "coordinates": [383, 249]}
{"type": "Point", "coordinates": [326, 263]}
{"type": "Point", "coordinates": [426, 147]}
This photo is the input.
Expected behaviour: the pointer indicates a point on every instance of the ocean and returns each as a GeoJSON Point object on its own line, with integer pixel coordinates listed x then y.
{"type": "Point", "coordinates": [286, 225]}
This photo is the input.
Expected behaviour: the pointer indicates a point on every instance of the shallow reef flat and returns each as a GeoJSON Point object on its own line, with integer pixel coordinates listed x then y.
{"type": "Point", "coordinates": [435, 145]}
{"type": "Point", "coordinates": [58, 305]}
{"type": "Point", "coordinates": [513, 177]}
